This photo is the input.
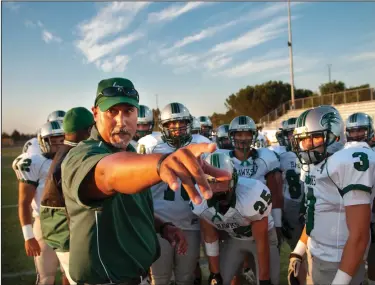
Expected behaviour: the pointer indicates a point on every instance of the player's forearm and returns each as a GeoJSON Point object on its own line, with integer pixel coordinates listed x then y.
{"type": "Point", "coordinates": [127, 172]}
{"type": "Point", "coordinates": [24, 214]}
{"type": "Point", "coordinates": [274, 183]}
{"type": "Point", "coordinates": [263, 253]}
{"type": "Point", "coordinates": [354, 251]}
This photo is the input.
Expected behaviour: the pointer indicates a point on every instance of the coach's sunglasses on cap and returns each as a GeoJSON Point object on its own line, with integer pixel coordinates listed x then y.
{"type": "Point", "coordinates": [118, 91]}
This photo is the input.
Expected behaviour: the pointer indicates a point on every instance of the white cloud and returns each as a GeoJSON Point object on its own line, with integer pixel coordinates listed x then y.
{"type": "Point", "coordinates": [257, 36]}
{"type": "Point", "coordinates": [173, 11]}
{"type": "Point", "coordinates": [48, 37]}
{"type": "Point", "coordinates": [30, 24]}
{"type": "Point", "coordinates": [117, 64]}
{"type": "Point", "coordinates": [109, 21]}
{"type": "Point", "coordinates": [12, 6]}
{"type": "Point", "coordinates": [217, 62]}
{"type": "Point", "coordinates": [96, 51]}
{"type": "Point", "coordinates": [254, 66]}
{"type": "Point", "coordinates": [364, 56]}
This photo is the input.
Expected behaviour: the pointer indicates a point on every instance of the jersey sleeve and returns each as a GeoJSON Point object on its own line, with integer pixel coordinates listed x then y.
{"type": "Point", "coordinates": [270, 158]}
{"type": "Point", "coordinates": [27, 168]}
{"type": "Point", "coordinates": [146, 144]}
{"type": "Point", "coordinates": [352, 170]}
{"type": "Point", "coordinates": [254, 199]}
{"type": "Point", "coordinates": [77, 165]}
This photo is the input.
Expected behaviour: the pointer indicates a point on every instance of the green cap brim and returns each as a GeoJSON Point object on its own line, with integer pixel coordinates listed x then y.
{"type": "Point", "coordinates": [105, 103]}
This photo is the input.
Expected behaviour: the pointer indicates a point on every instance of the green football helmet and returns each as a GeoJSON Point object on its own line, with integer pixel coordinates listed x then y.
{"type": "Point", "coordinates": [56, 116]}
{"type": "Point", "coordinates": [46, 131]}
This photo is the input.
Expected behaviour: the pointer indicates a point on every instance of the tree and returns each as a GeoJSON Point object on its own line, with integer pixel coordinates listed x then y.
{"type": "Point", "coordinates": [15, 135]}
{"type": "Point", "coordinates": [332, 87]}
{"type": "Point", "coordinates": [4, 135]}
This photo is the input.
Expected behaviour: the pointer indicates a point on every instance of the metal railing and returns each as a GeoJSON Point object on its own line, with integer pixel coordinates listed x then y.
{"type": "Point", "coordinates": [345, 97]}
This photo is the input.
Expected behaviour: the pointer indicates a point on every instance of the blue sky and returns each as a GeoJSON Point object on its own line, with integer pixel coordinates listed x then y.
{"type": "Point", "coordinates": [197, 53]}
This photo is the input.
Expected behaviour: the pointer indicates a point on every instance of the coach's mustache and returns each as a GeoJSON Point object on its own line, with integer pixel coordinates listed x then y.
{"type": "Point", "coordinates": [120, 131]}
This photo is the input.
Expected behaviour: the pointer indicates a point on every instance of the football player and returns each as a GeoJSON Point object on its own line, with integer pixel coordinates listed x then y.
{"type": "Point", "coordinates": [339, 189]}
{"type": "Point", "coordinates": [292, 186]}
{"type": "Point", "coordinates": [206, 126]}
{"type": "Point", "coordinates": [32, 147]}
{"type": "Point", "coordinates": [360, 129]}
{"type": "Point", "coordinates": [145, 122]}
{"type": "Point", "coordinates": [222, 137]}
{"type": "Point", "coordinates": [196, 126]}
{"type": "Point", "coordinates": [241, 207]}
{"type": "Point", "coordinates": [173, 206]}
{"type": "Point", "coordinates": [56, 116]}
{"type": "Point", "coordinates": [261, 164]}
{"type": "Point", "coordinates": [31, 171]}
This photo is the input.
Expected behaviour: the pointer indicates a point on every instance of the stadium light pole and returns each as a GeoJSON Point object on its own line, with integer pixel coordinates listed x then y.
{"type": "Point", "coordinates": [157, 101]}
{"type": "Point", "coordinates": [329, 72]}
{"type": "Point", "coordinates": [291, 56]}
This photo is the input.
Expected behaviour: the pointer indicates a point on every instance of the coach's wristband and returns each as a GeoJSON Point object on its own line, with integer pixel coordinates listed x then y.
{"type": "Point", "coordinates": [27, 231]}
{"type": "Point", "coordinates": [373, 218]}
{"type": "Point", "coordinates": [300, 248]}
{"type": "Point", "coordinates": [277, 217]}
{"type": "Point", "coordinates": [164, 156]}
{"type": "Point", "coordinates": [212, 249]}
{"type": "Point", "coordinates": [341, 278]}
{"type": "Point", "coordinates": [265, 282]}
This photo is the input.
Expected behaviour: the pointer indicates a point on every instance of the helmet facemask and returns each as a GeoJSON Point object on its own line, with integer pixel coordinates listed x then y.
{"type": "Point", "coordinates": [244, 145]}
{"type": "Point", "coordinates": [206, 131]}
{"type": "Point", "coordinates": [365, 137]}
{"type": "Point", "coordinates": [316, 153]}
{"type": "Point", "coordinates": [144, 132]}
{"type": "Point", "coordinates": [183, 136]}
{"type": "Point", "coordinates": [224, 143]}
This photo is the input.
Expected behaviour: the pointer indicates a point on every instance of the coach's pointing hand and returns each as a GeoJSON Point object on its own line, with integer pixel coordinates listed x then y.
{"type": "Point", "coordinates": [186, 165]}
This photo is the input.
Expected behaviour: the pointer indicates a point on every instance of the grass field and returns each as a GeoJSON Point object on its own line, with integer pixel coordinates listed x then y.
{"type": "Point", "coordinates": [17, 268]}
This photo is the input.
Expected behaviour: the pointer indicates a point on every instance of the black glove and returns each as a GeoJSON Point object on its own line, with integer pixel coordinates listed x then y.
{"type": "Point", "coordinates": [215, 279]}
{"type": "Point", "coordinates": [265, 282]}
{"type": "Point", "coordinates": [295, 261]}
{"type": "Point", "coordinates": [286, 229]}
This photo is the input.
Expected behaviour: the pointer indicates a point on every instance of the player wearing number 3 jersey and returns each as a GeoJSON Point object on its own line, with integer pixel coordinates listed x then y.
{"type": "Point", "coordinates": [173, 206]}
{"type": "Point", "coordinates": [339, 189]}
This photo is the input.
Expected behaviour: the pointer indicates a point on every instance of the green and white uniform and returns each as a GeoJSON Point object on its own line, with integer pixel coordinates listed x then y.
{"type": "Point", "coordinates": [112, 240]}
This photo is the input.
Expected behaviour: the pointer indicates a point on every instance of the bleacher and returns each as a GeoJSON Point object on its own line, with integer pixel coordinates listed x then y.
{"type": "Point", "coordinates": [362, 101]}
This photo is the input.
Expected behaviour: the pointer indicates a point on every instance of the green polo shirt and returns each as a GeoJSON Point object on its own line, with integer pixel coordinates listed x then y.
{"type": "Point", "coordinates": [111, 240]}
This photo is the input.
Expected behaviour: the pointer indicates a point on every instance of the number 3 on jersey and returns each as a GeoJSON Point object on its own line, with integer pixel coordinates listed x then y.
{"type": "Point", "coordinates": [311, 200]}
{"type": "Point", "coordinates": [294, 183]}
{"type": "Point", "coordinates": [169, 194]}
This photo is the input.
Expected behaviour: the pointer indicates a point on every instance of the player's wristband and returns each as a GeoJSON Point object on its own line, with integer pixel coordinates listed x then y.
{"type": "Point", "coordinates": [277, 217]}
{"type": "Point", "coordinates": [341, 278]}
{"type": "Point", "coordinates": [27, 231]}
{"type": "Point", "coordinates": [212, 249]}
{"type": "Point", "coordinates": [164, 156]}
{"type": "Point", "coordinates": [300, 248]}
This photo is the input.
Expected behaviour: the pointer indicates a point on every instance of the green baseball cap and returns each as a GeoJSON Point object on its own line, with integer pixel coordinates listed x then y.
{"type": "Point", "coordinates": [76, 119]}
{"type": "Point", "coordinates": [115, 91]}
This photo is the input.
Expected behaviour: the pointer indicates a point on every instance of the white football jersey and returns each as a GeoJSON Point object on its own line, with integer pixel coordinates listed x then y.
{"type": "Point", "coordinates": [33, 169]}
{"type": "Point", "coordinates": [32, 147]}
{"type": "Point", "coordinates": [346, 178]}
{"type": "Point", "coordinates": [134, 144]}
{"type": "Point", "coordinates": [251, 202]}
{"type": "Point", "coordinates": [171, 206]}
{"type": "Point", "coordinates": [257, 167]}
{"type": "Point", "coordinates": [291, 170]}
{"type": "Point", "coordinates": [261, 141]}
